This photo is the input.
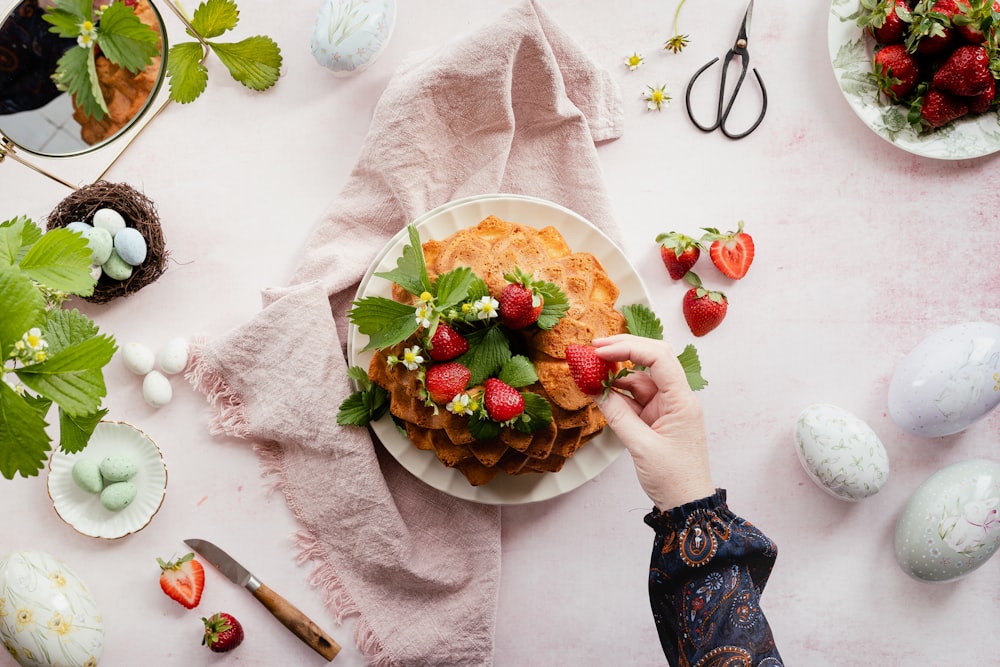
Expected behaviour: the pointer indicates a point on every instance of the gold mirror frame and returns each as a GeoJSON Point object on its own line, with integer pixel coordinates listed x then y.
{"type": "Point", "coordinates": [113, 148]}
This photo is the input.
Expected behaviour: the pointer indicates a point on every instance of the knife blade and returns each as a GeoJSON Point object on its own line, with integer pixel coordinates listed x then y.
{"type": "Point", "coordinates": [293, 619]}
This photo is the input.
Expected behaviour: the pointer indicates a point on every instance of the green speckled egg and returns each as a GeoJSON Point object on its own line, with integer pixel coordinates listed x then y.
{"type": "Point", "coordinates": [87, 475]}
{"type": "Point", "coordinates": [117, 268]}
{"type": "Point", "coordinates": [117, 468]}
{"type": "Point", "coordinates": [117, 496]}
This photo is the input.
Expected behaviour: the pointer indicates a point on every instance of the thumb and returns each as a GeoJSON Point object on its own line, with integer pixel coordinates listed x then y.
{"type": "Point", "coordinates": [622, 419]}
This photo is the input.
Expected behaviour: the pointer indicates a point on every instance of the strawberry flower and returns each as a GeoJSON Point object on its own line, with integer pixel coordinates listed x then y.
{"type": "Point", "coordinates": [32, 348]}
{"type": "Point", "coordinates": [461, 405]}
{"type": "Point", "coordinates": [634, 61]}
{"type": "Point", "coordinates": [425, 310]}
{"type": "Point", "coordinates": [411, 358]}
{"type": "Point", "coordinates": [487, 308]}
{"type": "Point", "coordinates": [656, 98]}
{"type": "Point", "coordinates": [88, 34]}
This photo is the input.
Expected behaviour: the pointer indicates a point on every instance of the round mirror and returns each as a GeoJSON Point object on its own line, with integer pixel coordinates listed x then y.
{"type": "Point", "coordinates": [52, 67]}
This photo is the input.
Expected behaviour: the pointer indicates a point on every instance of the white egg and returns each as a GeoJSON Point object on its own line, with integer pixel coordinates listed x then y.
{"type": "Point", "coordinates": [949, 381]}
{"type": "Point", "coordinates": [348, 36]}
{"type": "Point", "coordinates": [131, 246]}
{"type": "Point", "coordinates": [950, 525]}
{"type": "Point", "coordinates": [138, 358]}
{"type": "Point", "coordinates": [109, 219]}
{"type": "Point", "coordinates": [156, 389]}
{"type": "Point", "coordinates": [174, 356]}
{"type": "Point", "coordinates": [47, 610]}
{"type": "Point", "coordinates": [840, 452]}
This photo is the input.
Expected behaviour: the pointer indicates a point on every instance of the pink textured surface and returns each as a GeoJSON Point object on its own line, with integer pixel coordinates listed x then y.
{"type": "Point", "coordinates": [842, 287]}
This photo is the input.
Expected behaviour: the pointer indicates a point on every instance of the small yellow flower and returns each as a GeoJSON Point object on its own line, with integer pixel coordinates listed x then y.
{"type": "Point", "coordinates": [423, 315]}
{"type": "Point", "coordinates": [61, 625]}
{"type": "Point", "coordinates": [426, 297]}
{"type": "Point", "coordinates": [88, 34]}
{"type": "Point", "coordinates": [487, 308]}
{"type": "Point", "coordinates": [411, 358]}
{"type": "Point", "coordinates": [57, 579]}
{"type": "Point", "coordinates": [634, 61]}
{"type": "Point", "coordinates": [24, 618]}
{"type": "Point", "coordinates": [676, 43]}
{"type": "Point", "coordinates": [656, 98]}
{"type": "Point", "coordinates": [460, 405]}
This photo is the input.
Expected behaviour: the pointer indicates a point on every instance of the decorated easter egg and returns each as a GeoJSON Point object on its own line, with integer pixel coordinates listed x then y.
{"type": "Point", "coordinates": [47, 614]}
{"type": "Point", "coordinates": [950, 526]}
{"type": "Point", "coordinates": [840, 452]}
{"type": "Point", "coordinates": [349, 35]}
{"type": "Point", "coordinates": [174, 356]}
{"type": "Point", "coordinates": [131, 246]}
{"type": "Point", "coordinates": [949, 381]}
{"type": "Point", "coordinates": [116, 267]}
{"type": "Point", "coordinates": [156, 389]}
{"type": "Point", "coordinates": [138, 358]}
{"type": "Point", "coordinates": [109, 219]}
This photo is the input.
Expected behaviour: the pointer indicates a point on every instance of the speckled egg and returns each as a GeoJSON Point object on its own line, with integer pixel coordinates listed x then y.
{"type": "Point", "coordinates": [840, 452]}
{"type": "Point", "coordinates": [173, 356]}
{"type": "Point", "coordinates": [950, 525]}
{"type": "Point", "coordinates": [348, 35]}
{"type": "Point", "coordinates": [87, 475]}
{"type": "Point", "coordinates": [131, 246]}
{"type": "Point", "coordinates": [949, 381]}
{"type": "Point", "coordinates": [118, 468]}
{"type": "Point", "coordinates": [118, 495]}
{"type": "Point", "coordinates": [117, 268]}
{"type": "Point", "coordinates": [109, 219]}
{"type": "Point", "coordinates": [99, 241]}
{"type": "Point", "coordinates": [47, 614]}
{"type": "Point", "coordinates": [156, 389]}
{"type": "Point", "coordinates": [138, 358]}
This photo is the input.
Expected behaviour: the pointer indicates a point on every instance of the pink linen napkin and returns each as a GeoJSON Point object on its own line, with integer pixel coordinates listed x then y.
{"type": "Point", "coordinates": [514, 107]}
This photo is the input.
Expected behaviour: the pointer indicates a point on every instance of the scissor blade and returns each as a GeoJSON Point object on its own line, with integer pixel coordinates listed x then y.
{"type": "Point", "coordinates": [745, 28]}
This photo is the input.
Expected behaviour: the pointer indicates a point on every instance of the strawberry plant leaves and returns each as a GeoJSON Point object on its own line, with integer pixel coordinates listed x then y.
{"type": "Point", "coordinates": [188, 76]}
{"type": "Point", "coordinates": [488, 351]}
{"type": "Point", "coordinates": [483, 428]}
{"type": "Point", "coordinates": [60, 260]}
{"type": "Point", "coordinates": [411, 271]}
{"type": "Point", "coordinates": [125, 39]}
{"type": "Point", "coordinates": [366, 405]}
{"type": "Point", "coordinates": [641, 321]}
{"type": "Point", "coordinates": [75, 431]}
{"type": "Point", "coordinates": [518, 371]}
{"type": "Point", "coordinates": [554, 304]}
{"type": "Point", "coordinates": [537, 413]}
{"type": "Point", "coordinates": [255, 61]}
{"type": "Point", "coordinates": [66, 17]}
{"type": "Point", "coordinates": [24, 443]}
{"type": "Point", "coordinates": [386, 322]}
{"type": "Point", "coordinates": [215, 17]}
{"type": "Point", "coordinates": [453, 287]}
{"type": "Point", "coordinates": [76, 73]}
{"type": "Point", "coordinates": [692, 367]}
{"type": "Point", "coordinates": [24, 307]}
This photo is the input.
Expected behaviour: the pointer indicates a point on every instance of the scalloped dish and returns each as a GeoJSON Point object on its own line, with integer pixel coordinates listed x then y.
{"type": "Point", "coordinates": [83, 510]}
{"type": "Point", "coordinates": [851, 52]}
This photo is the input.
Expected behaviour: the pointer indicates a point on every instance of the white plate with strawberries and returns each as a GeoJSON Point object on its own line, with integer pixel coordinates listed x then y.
{"type": "Point", "coordinates": [440, 223]}
{"type": "Point", "coordinates": [852, 50]}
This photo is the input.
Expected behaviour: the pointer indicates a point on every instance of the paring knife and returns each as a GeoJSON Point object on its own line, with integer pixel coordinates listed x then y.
{"type": "Point", "coordinates": [280, 608]}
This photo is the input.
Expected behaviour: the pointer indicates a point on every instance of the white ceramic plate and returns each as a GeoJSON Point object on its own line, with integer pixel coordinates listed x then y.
{"type": "Point", "coordinates": [83, 510]}
{"type": "Point", "coordinates": [851, 54]}
{"type": "Point", "coordinates": [581, 236]}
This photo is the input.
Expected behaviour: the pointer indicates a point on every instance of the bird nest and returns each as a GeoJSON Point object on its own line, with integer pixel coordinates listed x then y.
{"type": "Point", "coordinates": [138, 211]}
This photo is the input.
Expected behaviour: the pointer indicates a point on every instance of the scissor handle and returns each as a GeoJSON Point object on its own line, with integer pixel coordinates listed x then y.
{"type": "Point", "coordinates": [724, 107]}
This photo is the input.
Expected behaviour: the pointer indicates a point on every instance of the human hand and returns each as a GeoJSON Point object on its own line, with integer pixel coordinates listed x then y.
{"type": "Point", "coordinates": [661, 425]}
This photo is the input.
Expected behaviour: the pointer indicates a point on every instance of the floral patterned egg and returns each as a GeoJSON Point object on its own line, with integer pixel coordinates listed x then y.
{"type": "Point", "coordinates": [949, 381]}
{"type": "Point", "coordinates": [350, 34]}
{"type": "Point", "coordinates": [951, 526]}
{"type": "Point", "coordinates": [840, 452]}
{"type": "Point", "coordinates": [47, 615]}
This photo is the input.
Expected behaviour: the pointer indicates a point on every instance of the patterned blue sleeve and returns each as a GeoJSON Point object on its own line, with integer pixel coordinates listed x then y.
{"type": "Point", "coordinates": [706, 575]}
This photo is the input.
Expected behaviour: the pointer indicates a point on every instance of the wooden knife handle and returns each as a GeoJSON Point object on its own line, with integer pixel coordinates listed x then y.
{"type": "Point", "coordinates": [300, 624]}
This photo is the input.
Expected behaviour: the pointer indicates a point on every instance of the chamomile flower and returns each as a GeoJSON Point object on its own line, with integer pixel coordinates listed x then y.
{"type": "Point", "coordinates": [423, 314]}
{"type": "Point", "coordinates": [634, 61]}
{"type": "Point", "coordinates": [656, 98]}
{"type": "Point", "coordinates": [487, 308]}
{"type": "Point", "coordinates": [460, 405]}
{"type": "Point", "coordinates": [411, 358]}
{"type": "Point", "coordinates": [88, 34]}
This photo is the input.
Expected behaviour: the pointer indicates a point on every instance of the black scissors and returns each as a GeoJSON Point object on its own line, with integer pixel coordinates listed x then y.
{"type": "Point", "coordinates": [739, 49]}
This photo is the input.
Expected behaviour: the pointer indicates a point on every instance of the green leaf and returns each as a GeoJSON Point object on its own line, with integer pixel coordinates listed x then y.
{"type": "Point", "coordinates": [63, 328]}
{"type": "Point", "coordinates": [488, 351]}
{"type": "Point", "coordinates": [23, 307]}
{"type": "Point", "coordinates": [483, 428]}
{"type": "Point", "coordinates": [67, 15]}
{"type": "Point", "coordinates": [24, 443]}
{"type": "Point", "coordinates": [518, 372]}
{"type": "Point", "coordinates": [255, 61]}
{"type": "Point", "coordinates": [641, 321]}
{"type": "Point", "coordinates": [384, 321]}
{"type": "Point", "coordinates": [125, 39]}
{"type": "Point", "coordinates": [214, 17]}
{"type": "Point", "coordinates": [554, 304]}
{"type": "Point", "coordinates": [76, 73]}
{"type": "Point", "coordinates": [363, 407]}
{"type": "Point", "coordinates": [411, 271]}
{"type": "Point", "coordinates": [537, 413]}
{"type": "Point", "coordinates": [72, 376]}
{"type": "Point", "coordinates": [453, 287]}
{"type": "Point", "coordinates": [692, 368]}
{"type": "Point", "coordinates": [60, 261]}
{"type": "Point", "coordinates": [188, 76]}
{"type": "Point", "coordinates": [75, 432]}
{"type": "Point", "coordinates": [16, 236]}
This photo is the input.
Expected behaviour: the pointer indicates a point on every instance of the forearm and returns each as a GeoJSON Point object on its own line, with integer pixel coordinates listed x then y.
{"type": "Point", "coordinates": [707, 571]}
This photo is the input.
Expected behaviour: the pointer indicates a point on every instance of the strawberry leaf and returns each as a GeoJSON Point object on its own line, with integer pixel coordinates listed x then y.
{"type": "Point", "coordinates": [125, 39]}
{"type": "Point", "coordinates": [215, 17]}
{"type": "Point", "coordinates": [60, 260]}
{"type": "Point", "coordinates": [537, 413]}
{"type": "Point", "coordinates": [255, 61]}
{"type": "Point", "coordinates": [366, 405]}
{"type": "Point", "coordinates": [554, 304]}
{"type": "Point", "coordinates": [24, 443]}
{"type": "Point", "coordinates": [24, 307]}
{"type": "Point", "coordinates": [482, 427]}
{"type": "Point", "coordinates": [384, 321]}
{"type": "Point", "coordinates": [641, 321]}
{"type": "Point", "coordinates": [453, 287]}
{"type": "Point", "coordinates": [692, 368]}
{"type": "Point", "coordinates": [411, 271]}
{"type": "Point", "coordinates": [488, 351]}
{"type": "Point", "coordinates": [76, 73]}
{"type": "Point", "coordinates": [518, 372]}
{"type": "Point", "coordinates": [188, 76]}
{"type": "Point", "coordinates": [75, 431]}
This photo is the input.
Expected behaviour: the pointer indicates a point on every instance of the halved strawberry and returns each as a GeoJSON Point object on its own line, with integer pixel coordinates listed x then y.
{"type": "Point", "coordinates": [591, 374]}
{"type": "Point", "coordinates": [679, 253]}
{"type": "Point", "coordinates": [502, 401]}
{"type": "Point", "coordinates": [731, 252]}
{"type": "Point", "coordinates": [446, 343]}
{"type": "Point", "coordinates": [222, 632]}
{"type": "Point", "coordinates": [183, 580]}
{"type": "Point", "coordinates": [446, 380]}
{"type": "Point", "coordinates": [703, 309]}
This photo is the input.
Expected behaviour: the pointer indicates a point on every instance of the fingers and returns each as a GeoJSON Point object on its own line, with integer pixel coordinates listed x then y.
{"type": "Point", "coordinates": [656, 355]}
{"type": "Point", "coordinates": [622, 418]}
{"type": "Point", "coordinates": [640, 385]}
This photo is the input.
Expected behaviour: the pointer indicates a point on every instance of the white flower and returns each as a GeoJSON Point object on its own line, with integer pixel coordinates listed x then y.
{"type": "Point", "coordinates": [460, 405]}
{"type": "Point", "coordinates": [88, 34]}
{"type": "Point", "coordinates": [412, 359]}
{"type": "Point", "coordinates": [974, 524]}
{"type": "Point", "coordinates": [487, 308]}
{"type": "Point", "coordinates": [423, 315]}
{"type": "Point", "coordinates": [31, 348]}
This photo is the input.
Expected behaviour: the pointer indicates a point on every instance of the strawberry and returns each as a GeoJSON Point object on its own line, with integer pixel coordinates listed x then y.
{"type": "Point", "coordinates": [974, 21]}
{"type": "Point", "coordinates": [446, 343]}
{"type": "Point", "coordinates": [884, 20]}
{"type": "Point", "coordinates": [222, 632]}
{"type": "Point", "coordinates": [703, 309]}
{"type": "Point", "coordinates": [940, 108]}
{"type": "Point", "coordinates": [183, 580]}
{"type": "Point", "coordinates": [895, 71]}
{"type": "Point", "coordinates": [503, 402]}
{"type": "Point", "coordinates": [732, 252]}
{"type": "Point", "coordinates": [931, 31]}
{"type": "Point", "coordinates": [520, 303]}
{"type": "Point", "coordinates": [444, 381]}
{"type": "Point", "coordinates": [981, 103]}
{"type": "Point", "coordinates": [591, 373]}
{"type": "Point", "coordinates": [679, 253]}
{"type": "Point", "coordinates": [965, 73]}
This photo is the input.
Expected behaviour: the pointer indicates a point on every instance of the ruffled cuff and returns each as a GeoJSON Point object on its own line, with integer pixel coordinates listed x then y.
{"type": "Point", "coordinates": [677, 517]}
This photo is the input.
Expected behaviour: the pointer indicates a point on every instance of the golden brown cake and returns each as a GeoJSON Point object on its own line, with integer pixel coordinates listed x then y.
{"type": "Point", "coordinates": [492, 249]}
